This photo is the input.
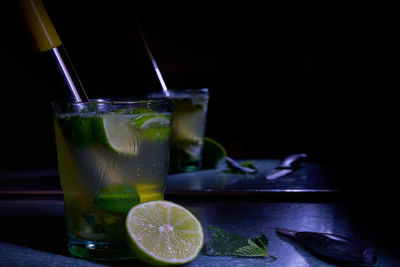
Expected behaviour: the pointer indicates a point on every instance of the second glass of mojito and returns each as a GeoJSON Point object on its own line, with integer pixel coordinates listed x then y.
{"type": "Point", "coordinates": [188, 127]}
{"type": "Point", "coordinates": [111, 156]}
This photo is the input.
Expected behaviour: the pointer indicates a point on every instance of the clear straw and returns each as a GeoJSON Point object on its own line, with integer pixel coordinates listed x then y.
{"type": "Point", "coordinates": [155, 66]}
{"type": "Point", "coordinates": [46, 39]}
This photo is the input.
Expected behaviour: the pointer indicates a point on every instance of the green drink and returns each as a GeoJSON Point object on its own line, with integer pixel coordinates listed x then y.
{"type": "Point", "coordinates": [112, 155]}
{"type": "Point", "coordinates": [188, 127]}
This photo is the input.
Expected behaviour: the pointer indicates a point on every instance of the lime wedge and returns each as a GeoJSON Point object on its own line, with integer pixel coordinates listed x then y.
{"type": "Point", "coordinates": [162, 233]}
{"type": "Point", "coordinates": [212, 154]}
{"type": "Point", "coordinates": [117, 198]}
{"type": "Point", "coordinates": [118, 134]}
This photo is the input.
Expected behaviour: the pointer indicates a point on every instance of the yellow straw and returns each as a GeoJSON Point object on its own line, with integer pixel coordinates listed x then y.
{"type": "Point", "coordinates": [43, 32]}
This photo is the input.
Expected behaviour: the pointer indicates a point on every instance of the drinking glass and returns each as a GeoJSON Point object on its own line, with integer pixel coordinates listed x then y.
{"type": "Point", "coordinates": [188, 127]}
{"type": "Point", "coordinates": [112, 154]}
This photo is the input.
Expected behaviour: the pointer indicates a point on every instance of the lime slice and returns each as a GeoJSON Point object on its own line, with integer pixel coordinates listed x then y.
{"type": "Point", "coordinates": [152, 124]}
{"type": "Point", "coordinates": [157, 121]}
{"type": "Point", "coordinates": [118, 134]}
{"type": "Point", "coordinates": [114, 132]}
{"type": "Point", "coordinates": [156, 133]}
{"type": "Point", "coordinates": [212, 154]}
{"type": "Point", "coordinates": [143, 115]}
{"type": "Point", "coordinates": [162, 233]}
{"type": "Point", "coordinates": [188, 123]}
{"type": "Point", "coordinates": [117, 198]}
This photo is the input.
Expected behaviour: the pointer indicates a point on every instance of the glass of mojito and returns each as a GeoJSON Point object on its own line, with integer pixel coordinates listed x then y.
{"type": "Point", "coordinates": [112, 154]}
{"type": "Point", "coordinates": [188, 127]}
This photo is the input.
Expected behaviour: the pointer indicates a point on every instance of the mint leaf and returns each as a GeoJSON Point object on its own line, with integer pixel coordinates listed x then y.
{"type": "Point", "coordinates": [252, 250]}
{"type": "Point", "coordinates": [249, 164]}
{"type": "Point", "coordinates": [262, 241]}
{"type": "Point", "coordinates": [245, 167]}
{"type": "Point", "coordinates": [224, 243]}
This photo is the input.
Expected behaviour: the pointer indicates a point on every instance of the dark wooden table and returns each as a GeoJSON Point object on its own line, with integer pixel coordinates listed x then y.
{"type": "Point", "coordinates": [314, 198]}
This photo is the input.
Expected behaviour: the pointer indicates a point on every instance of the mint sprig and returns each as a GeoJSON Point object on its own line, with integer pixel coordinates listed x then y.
{"type": "Point", "coordinates": [224, 243]}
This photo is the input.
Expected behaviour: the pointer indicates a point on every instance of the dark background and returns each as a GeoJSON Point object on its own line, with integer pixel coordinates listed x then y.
{"type": "Point", "coordinates": [282, 79]}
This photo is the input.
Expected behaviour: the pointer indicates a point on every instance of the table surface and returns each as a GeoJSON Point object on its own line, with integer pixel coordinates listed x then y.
{"type": "Point", "coordinates": [32, 228]}
{"type": "Point", "coordinates": [309, 178]}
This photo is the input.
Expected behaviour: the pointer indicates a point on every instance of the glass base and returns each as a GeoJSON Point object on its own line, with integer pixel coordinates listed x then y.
{"type": "Point", "coordinates": [96, 250]}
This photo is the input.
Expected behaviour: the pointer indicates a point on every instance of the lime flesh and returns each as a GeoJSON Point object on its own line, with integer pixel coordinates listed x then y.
{"type": "Point", "coordinates": [162, 233]}
{"type": "Point", "coordinates": [122, 135]}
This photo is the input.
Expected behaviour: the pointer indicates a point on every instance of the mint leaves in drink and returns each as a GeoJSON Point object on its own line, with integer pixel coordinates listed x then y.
{"type": "Point", "coordinates": [224, 243]}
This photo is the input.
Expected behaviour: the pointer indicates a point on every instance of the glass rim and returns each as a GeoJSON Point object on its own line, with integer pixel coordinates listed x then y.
{"type": "Point", "coordinates": [180, 93]}
{"type": "Point", "coordinates": [197, 90]}
{"type": "Point", "coordinates": [113, 101]}
{"type": "Point", "coordinates": [190, 89]}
